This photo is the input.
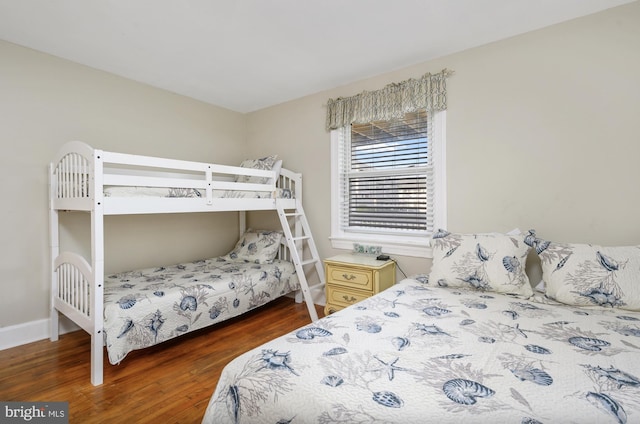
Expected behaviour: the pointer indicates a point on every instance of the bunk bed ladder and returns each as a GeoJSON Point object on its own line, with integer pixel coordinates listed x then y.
{"type": "Point", "coordinates": [299, 242]}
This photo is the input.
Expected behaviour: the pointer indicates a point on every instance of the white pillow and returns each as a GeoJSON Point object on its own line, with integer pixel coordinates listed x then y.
{"type": "Point", "coordinates": [257, 246]}
{"type": "Point", "coordinates": [486, 262]}
{"type": "Point", "coordinates": [277, 167]}
{"type": "Point", "coordinates": [266, 163]}
{"type": "Point", "coordinates": [588, 275]}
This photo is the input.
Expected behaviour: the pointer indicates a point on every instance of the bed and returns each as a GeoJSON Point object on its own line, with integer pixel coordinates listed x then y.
{"type": "Point", "coordinates": [140, 308]}
{"type": "Point", "coordinates": [469, 342]}
{"type": "Point", "coordinates": [145, 307]}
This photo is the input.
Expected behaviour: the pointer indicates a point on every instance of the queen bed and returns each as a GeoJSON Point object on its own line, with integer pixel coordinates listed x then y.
{"type": "Point", "coordinates": [470, 342]}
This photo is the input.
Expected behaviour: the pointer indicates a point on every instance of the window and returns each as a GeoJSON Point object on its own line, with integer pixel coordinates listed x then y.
{"type": "Point", "coordinates": [388, 183]}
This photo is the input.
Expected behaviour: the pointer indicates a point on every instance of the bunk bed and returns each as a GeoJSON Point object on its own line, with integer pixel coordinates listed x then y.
{"type": "Point", "coordinates": [132, 310]}
{"type": "Point", "coordinates": [444, 348]}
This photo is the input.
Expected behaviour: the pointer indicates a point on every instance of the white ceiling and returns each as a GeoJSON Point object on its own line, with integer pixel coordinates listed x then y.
{"type": "Point", "coordinates": [245, 55]}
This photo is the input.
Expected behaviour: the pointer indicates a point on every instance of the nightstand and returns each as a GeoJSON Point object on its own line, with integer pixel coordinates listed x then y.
{"type": "Point", "coordinates": [352, 278]}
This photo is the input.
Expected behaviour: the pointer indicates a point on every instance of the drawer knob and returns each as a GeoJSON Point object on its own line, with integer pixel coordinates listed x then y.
{"type": "Point", "coordinates": [351, 300]}
{"type": "Point", "coordinates": [349, 277]}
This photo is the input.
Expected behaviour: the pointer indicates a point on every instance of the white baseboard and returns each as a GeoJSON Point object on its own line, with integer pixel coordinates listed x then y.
{"type": "Point", "coordinates": [28, 332]}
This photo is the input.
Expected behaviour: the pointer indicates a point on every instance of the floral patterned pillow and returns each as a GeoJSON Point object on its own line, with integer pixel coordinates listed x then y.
{"type": "Point", "coordinates": [486, 262]}
{"type": "Point", "coordinates": [265, 163]}
{"type": "Point", "coordinates": [587, 275]}
{"type": "Point", "coordinates": [257, 246]}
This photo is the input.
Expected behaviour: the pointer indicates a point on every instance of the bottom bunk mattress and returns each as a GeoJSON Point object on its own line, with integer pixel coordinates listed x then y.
{"type": "Point", "coordinates": [417, 353]}
{"type": "Point", "coordinates": [146, 307]}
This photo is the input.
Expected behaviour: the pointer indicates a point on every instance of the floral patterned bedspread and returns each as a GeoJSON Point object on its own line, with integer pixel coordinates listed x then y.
{"type": "Point", "coordinates": [417, 353]}
{"type": "Point", "coordinates": [146, 307]}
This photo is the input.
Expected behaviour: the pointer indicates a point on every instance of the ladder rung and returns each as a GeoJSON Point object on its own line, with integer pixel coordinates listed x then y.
{"type": "Point", "coordinates": [293, 214]}
{"type": "Point", "coordinates": [300, 238]}
{"type": "Point", "coordinates": [310, 261]}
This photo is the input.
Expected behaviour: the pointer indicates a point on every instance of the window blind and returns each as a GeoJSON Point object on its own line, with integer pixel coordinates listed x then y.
{"type": "Point", "coordinates": [387, 176]}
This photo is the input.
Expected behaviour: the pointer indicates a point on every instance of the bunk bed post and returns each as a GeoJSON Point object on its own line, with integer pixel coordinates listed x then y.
{"type": "Point", "coordinates": [54, 251]}
{"type": "Point", "coordinates": [97, 266]}
{"type": "Point", "coordinates": [242, 222]}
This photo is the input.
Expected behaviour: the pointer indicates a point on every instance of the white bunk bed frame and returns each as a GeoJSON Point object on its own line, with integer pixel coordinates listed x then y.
{"type": "Point", "coordinates": [77, 177]}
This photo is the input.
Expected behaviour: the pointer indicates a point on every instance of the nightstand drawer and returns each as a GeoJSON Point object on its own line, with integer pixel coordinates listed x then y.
{"type": "Point", "coordinates": [357, 278]}
{"type": "Point", "coordinates": [339, 295]}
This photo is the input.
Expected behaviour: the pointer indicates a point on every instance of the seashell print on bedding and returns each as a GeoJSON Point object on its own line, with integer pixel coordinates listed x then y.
{"type": "Point", "coordinates": [476, 305]}
{"type": "Point", "coordinates": [608, 405]}
{"type": "Point", "coordinates": [629, 331]}
{"type": "Point", "coordinates": [466, 392]}
{"type": "Point", "coordinates": [128, 325]}
{"type": "Point", "coordinates": [617, 377]}
{"type": "Point", "coordinates": [369, 327]}
{"type": "Point", "coordinates": [562, 263]}
{"type": "Point", "coordinates": [482, 253]}
{"type": "Point", "coordinates": [218, 307]}
{"type": "Point", "coordinates": [440, 233]}
{"type": "Point", "coordinates": [127, 302]}
{"type": "Point", "coordinates": [388, 399]}
{"type": "Point", "coordinates": [453, 356]}
{"type": "Point", "coordinates": [627, 318]}
{"type": "Point", "coordinates": [332, 380]}
{"type": "Point", "coordinates": [189, 302]}
{"type": "Point", "coordinates": [537, 349]}
{"type": "Point", "coordinates": [310, 333]}
{"type": "Point", "coordinates": [400, 343]}
{"type": "Point", "coordinates": [434, 311]}
{"type": "Point", "coordinates": [233, 402]}
{"type": "Point", "coordinates": [475, 281]}
{"type": "Point", "coordinates": [600, 297]}
{"type": "Point", "coordinates": [533, 375]}
{"type": "Point", "coordinates": [154, 322]}
{"type": "Point", "coordinates": [273, 359]}
{"type": "Point", "coordinates": [541, 246]}
{"type": "Point", "coordinates": [511, 263]}
{"type": "Point", "coordinates": [588, 343]}
{"type": "Point", "coordinates": [335, 351]}
{"type": "Point", "coordinates": [432, 330]}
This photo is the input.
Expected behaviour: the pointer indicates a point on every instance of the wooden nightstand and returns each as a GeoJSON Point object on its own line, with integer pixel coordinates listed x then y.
{"type": "Point", "coordinates": [352, 278]}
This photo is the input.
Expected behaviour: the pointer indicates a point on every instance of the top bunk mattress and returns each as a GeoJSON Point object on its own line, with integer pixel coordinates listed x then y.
{"type": "Point", "coordinates": [119, 191]}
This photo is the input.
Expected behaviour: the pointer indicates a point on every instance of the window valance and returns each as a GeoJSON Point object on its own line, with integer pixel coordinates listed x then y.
{"type": "Point", "coordinates": [392, 102]}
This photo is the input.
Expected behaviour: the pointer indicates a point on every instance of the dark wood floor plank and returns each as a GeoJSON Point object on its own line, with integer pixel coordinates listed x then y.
{"type": "Point", "coordinates": [169, 383]}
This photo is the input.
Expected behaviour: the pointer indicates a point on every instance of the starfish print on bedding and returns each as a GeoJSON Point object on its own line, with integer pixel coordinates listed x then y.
{"type": "Point", "coordinates": [249, 287]}
{"type": "Point", "coordinates": [389, 367]}
{"type": "Point", "coordinates": [516, 330]}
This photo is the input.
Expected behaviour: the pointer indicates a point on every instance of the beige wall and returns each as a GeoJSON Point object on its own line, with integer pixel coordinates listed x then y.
{"type": "Point", "coordinates": [46, 101]}
{"type": "Point", "coordinates": [542, 132]}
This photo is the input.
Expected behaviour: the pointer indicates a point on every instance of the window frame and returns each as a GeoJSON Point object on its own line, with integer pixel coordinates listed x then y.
{"type": "Point", "coordinates": [404, 245]}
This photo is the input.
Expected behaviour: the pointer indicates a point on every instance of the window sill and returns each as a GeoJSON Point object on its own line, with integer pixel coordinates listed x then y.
{"type": "Point", "coordinates": [402, 248]}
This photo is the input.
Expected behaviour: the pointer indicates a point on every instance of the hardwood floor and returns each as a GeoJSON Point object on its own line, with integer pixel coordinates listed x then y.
{"type": "Point", "coordinates": [168, 383]}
